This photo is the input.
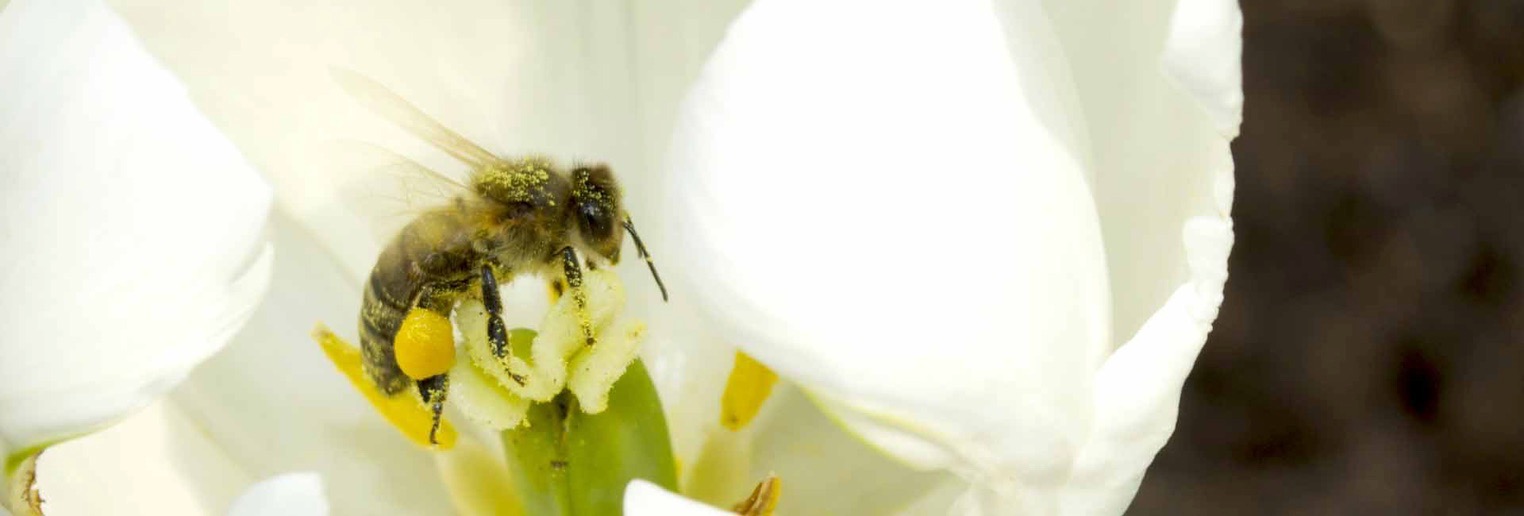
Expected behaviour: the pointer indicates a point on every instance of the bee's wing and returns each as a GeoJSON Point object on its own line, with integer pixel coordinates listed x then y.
{"type": "Point", "coordinates": [392, 189]}
{"type": "Point", "coordinates": [398, 110]}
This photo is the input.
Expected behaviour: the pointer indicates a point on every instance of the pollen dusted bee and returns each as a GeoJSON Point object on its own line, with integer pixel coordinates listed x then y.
{"type": "Point", "coordinates": [514, 216]}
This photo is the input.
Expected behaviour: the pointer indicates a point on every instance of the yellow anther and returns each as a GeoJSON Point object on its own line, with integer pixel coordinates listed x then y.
{"type": "Point", "coordinates": [21, 470]}
{"type": "Point", "coordinates": [749, 385]}
{"type": "Point", "coordinates": [425, 344]}
{"type": "Point", "coordinates": [763, 500]}
{"type": "Point", "coordinates": [404, 411]}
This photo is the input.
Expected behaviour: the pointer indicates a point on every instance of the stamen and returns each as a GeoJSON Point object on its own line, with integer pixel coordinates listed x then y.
{"type": "Point", "coordinates": [748, 387]}
{"type": "Point", "coordinates": [594, 371]}
{"type": "Point", "coordinates": [763, 499]}
{"type": "Point", "coordinates": [407, 413]}
{"type": "Point", "coordinates": [23, 496]}
{"type": "Point", "coordinates": [482, 398]}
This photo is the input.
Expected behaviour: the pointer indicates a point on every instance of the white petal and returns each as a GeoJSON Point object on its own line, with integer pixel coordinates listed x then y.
{"type": "Point", "coordinates": [883, 219]}
{"type": "Point", "coordinates": [671, 41]}
{"type": "Point", "coordinates": [276, 404]}
{"type": "Point", "coordinates": [688, 364]}
{"type": "Point", "coordinates": [1160, 151]}
{"type": "Point", "coordinates": [939, 500]}
{"type": "Point", "coordinates": [720, 466]}
{"type": "Point", "coordinates": [825, 470]}
{"type": "Point", "coordinates": [1202, 53]}
{"type": "Point", "coordinates": [131, 225]}
{"type": "Point", "coordinates": [291, 494]}
{"type": "Point", "coordinates": [1161, 91]}
{"type": "Point", "coordinates": [155, 462]}
{"type": "Point", "coordinates": [1138, 390]}
{"type": "Point", "coordinates": [643, 498]}
{"type": "Point", "coordinates": [1045, 75]}
{"type": "Point", "coordinates": [475, 474]}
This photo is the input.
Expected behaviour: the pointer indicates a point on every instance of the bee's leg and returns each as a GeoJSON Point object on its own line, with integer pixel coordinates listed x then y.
{"type": "Point", "coordinates": [433, 390]}
{"type": "Point", "coordinates": [497, 332]}
{"type": "Point", "coordinates": [573, 271]}
{"type": "Point", "coordinates": [425, 346]}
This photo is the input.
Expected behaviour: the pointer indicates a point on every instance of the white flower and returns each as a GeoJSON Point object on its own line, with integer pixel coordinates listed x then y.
{"type": "Point", "coordinates": [988, 244]}
{"type": "Point", "coordinates": [988, 238]}
{"type": "Point", "coordinates": [133, 229]}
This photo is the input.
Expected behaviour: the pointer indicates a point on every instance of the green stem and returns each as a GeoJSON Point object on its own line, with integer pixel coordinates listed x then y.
{"type": "Point", "coordinates": [567, 462]}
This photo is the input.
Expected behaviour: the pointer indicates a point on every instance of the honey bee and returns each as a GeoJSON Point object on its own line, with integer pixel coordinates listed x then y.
{"type": "Point", "coordinates": [514, 216]}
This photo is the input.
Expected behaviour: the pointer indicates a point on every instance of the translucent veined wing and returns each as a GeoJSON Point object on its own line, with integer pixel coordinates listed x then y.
{"type": "Point", "coordinates": [398, 110]}
{"type": "Point", "coordinates": [389, 189]}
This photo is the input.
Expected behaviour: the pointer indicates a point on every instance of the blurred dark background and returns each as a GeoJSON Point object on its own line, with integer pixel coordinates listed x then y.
{"type": "Point", "coordinates": [1369, 358]}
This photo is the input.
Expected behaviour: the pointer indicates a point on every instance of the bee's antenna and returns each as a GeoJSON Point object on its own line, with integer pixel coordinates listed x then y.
{"type": "Point", "coordinates": [640, 248]}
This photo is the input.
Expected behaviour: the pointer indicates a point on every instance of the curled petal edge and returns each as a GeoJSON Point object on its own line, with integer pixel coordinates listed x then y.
{"type": "Point", "coordinates": [1202, 54]}
{"type": "Point", "coordinates": [1137, 390]}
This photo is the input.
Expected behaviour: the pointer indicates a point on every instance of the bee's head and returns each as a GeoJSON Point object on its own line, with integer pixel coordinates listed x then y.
{"type": "Point", "coordinates": [597, 210]}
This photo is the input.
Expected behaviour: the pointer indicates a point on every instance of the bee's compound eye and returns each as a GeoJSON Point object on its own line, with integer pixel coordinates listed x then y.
{"type": "Point", "coordinates": [595, 220]}
{"type": "Point", "coordinates": [425, 344]}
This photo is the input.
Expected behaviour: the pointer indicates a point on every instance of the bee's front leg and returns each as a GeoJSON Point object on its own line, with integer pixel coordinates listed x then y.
{"type": "Point", "coordinates": [573, 272]}
{"type": "Point", "coordinates": [497, 331]}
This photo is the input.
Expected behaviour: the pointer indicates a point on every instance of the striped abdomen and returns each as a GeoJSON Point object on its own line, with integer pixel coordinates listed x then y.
{"type": "Point", "coordinates": [428, 264]}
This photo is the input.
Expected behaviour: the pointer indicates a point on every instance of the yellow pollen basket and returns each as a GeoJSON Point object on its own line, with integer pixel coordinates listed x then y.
{"type": "Point", "coordinates": [405, 412]}
{"type": "Point", "coordinates": [425, 344]}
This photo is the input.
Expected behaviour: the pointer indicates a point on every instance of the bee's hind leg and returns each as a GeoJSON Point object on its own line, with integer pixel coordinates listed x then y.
{"type": "Point", "coordinates": [573, 271]}
{"type": "Point", "coordinates": [425, 348]}
{"type": "Point", "coordinates": [433, 390]}
{"type": "Point", "coordinates": [497, 331]}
